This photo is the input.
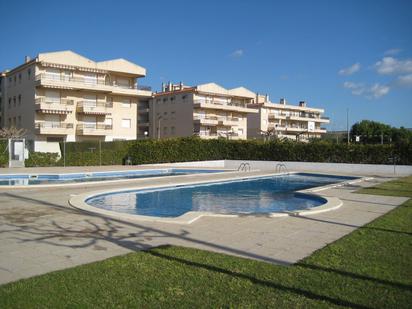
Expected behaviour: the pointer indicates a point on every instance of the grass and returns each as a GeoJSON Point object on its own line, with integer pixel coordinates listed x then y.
{"type": "Point", "coordinates": [369, 268]}
{"type": "Point", "coordinates": [399, 187]}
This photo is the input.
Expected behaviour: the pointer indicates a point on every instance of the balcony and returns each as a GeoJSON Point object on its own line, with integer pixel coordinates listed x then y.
{"type": "Point", "coordinates": [208, 121]}
{"type": "Point", "coordinates": [229, 121]}
{"type": "Point", "coordinates": [94, 108]}
{"type": "Point", "coordinates": [53, 128]}
{"type": "Point", "coordinates": [276, 116]}
{"type": "Point", "coordinates": [81, 83]}
{"type": "Point", "coordinates": [224, 106]}
{"type": "Point", "coordinates": [53, 106]}
{"type": "Point", "coordinates": [93, 129]}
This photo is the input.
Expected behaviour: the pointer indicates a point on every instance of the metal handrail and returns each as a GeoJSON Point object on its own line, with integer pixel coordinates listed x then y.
{"type": "Point", "coordinates": [90, 104]}
{"type": "Point", "coordinates": [244, 167]}
{"type": "Point", "coordinates": [53, 101]}
{"type": "Point", "coordinates": [279, 166]}
{"type": "Point", "coordinates": [94, 126]}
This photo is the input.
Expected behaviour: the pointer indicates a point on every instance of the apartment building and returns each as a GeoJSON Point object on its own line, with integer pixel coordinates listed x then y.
{"type": "Point", "coordinates": [207, 110]}
{"type": "Point", "coordinates": [63, 96]}
{"type": "Point", "coordinates": [283, 120]}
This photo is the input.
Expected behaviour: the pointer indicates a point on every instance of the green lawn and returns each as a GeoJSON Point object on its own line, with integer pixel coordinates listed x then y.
{"type": "Point", "coordinates": [370, 268]}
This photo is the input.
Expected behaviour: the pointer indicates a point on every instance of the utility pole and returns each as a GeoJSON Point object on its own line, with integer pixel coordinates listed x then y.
{"type": "Point", "coordinates": [347, 123]}
{"type": "Point", "coordinates": [381, 138]}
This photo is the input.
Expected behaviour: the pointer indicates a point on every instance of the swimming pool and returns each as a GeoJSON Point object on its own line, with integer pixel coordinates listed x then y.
{"type": "Point", "coordinates": [260, 195]}
{"type": "Point", "coordinates": [45, 179]}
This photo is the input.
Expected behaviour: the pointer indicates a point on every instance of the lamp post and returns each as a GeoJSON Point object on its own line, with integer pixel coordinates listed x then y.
{"type": "Point", "coordinates": [158, 126]}
{"type": "Point", "coordinates": [146, 134]}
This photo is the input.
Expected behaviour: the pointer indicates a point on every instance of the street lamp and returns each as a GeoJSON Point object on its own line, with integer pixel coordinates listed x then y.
{"type": "Point", "coordinates": [146, 134]}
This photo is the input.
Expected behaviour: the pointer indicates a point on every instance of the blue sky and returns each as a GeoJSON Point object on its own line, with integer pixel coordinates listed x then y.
{"type": "Point", "coordinates": [333, 54]}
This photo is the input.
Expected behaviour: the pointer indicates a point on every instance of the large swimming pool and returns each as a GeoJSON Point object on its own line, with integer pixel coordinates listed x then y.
{"type": "Point", "coordinates": [257, 195]}
{"type": "Point", "coordinates": [45, 179]}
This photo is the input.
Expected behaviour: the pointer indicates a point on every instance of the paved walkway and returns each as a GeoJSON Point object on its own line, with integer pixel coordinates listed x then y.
{"type": "Point", "coordinates": [40, 232]}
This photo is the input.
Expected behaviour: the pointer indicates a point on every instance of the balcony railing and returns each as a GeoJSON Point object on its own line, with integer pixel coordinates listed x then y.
{"type": "Point", "coordinates": [53, 101]}
{"type": "Point", "coordinates": [92, 82]}
{"type": "Point", "coordinates": [218, 103]}
{"type": "Point", "coordinates": [93, 129]}
{"type": "Point", "coordinates": [53, 125]}
{"type": "Point", "coordinates": [88, 107]}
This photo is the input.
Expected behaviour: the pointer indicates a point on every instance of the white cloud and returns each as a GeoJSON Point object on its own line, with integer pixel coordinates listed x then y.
{"type": "Point", "coordinates": [390, 65]}
{"type": "Point", "coordinates": [404, 80]}
{"type": "Point", "coordinates": [377, 91]}
{"type": "Point", "coordinates": [237, 53]}
{"type": "Point", "coordinates": [392, 52]}
{"type": "Point", "coordinates": [371, 92]}
{"type": "Point", "coordinates": [350, 70]}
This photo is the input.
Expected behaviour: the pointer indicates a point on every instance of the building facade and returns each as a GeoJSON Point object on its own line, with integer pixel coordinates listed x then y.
{"type": "Point", "coordinates": [282, 120]}
{"type": "Point", "coordinates": [63, 96]}
{"type": "Point", "coordinates": [208, 111]}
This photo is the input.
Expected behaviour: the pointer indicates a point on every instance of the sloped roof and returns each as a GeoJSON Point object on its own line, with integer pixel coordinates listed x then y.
{"type": "Point", "coordinates": [70, 58]}
{"type": "Point", "coordinates": [242, 92]}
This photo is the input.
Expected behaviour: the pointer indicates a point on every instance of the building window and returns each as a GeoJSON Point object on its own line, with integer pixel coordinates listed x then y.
{"type": "Point", "coordinates": [184, 97]}
{"type": "Point", "coordinates": [19, 122]}
{"type": "Point", "coordinates": [10, 81]}
{"type": "Point", "coordinates": [19, 99]}
{"type": "Point", "coordinates": [126, 123]}
{"type": "Point", "coordinates": [108, 121]}
{"type": "Point", "coordinates": [19, 78]}
{"type": "Point", "coordinates": [9, 102]}
{"type": "Point", "coordinates": [165, 131]}
{"type": "Point", "coordinates": [172, 130]}
{"type": "Point", "coordinates": [29, 73]}
{"type": "Point", "coordinates": [172, 99]}
{"type": "Point", "coordinates": [164, 99]}
{"type": "Point", "coordinates": [172, 115]}
{"type": "Point", "coordinates": [126, 103]}
{"type": "Point", "coordinates": [157, 100]}
{"type": "Point", "coordinates": [14, 101]}
{"type": "Point", "coordinates": [15, 80]}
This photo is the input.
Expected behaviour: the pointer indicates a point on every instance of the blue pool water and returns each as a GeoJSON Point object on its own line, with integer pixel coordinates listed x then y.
{"type": "Point", "coordinates": [41, 179]}
{"type": "Point", "coordinates": [258, 195]}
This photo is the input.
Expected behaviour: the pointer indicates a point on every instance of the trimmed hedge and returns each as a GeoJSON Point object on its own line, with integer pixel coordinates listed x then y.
{"type": "Point", "coordinates": [196, 149]}
{"type": "Point", "coordinates": [42, 159]}
{"type": "Point", "coordinates": [4, 153]}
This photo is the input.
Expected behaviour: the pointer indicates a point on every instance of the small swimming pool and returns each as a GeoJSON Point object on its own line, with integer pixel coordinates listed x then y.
{"type": "Point", "coordinates": [45, 179]}
{"type": "Point", "coordinates": [243, 196]}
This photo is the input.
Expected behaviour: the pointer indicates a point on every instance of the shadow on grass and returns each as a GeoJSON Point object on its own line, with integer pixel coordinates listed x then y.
{"type": "Point", "coordinates": [254, 280]}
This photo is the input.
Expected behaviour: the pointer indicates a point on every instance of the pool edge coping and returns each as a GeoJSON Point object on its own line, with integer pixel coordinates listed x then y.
{"type": "Point", "coordinates": [332, 203]}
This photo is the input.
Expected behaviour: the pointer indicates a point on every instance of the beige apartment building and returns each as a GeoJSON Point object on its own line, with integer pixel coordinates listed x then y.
{"type": "Point", "coordinates": [63, 96]}
{"type": "Point", "coordinates": [208, 111]}
{"type": "Point", "coordinates": [298, 122]}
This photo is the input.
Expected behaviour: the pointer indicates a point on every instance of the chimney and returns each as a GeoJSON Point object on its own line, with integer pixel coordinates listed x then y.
{"type": "Point", "coordinates": [170, 86]}
{"type": "Point", "coordinates": [283, 101]}
{"type": "Point", "coordinates": [163, 87]}
{"type": "Point", "coordinates": [26, 59]}
{"type": "Point", "coordinates": [266, 98]}
{"type": "Point", "coordinates": [180, 86]}
{"type": "Point", "coordinates": [302, 104]}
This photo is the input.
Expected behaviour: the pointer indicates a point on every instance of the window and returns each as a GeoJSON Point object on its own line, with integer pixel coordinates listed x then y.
{"type": "Point", "coordinates": [157, 100]}
{"type": "Point", "coordinates": [19, 122]}
{"type": "Point", "coordinates": [126, 103]}
{"type": "Point", "coordinates": [173, 114]}
{"type": "Point", "coordinates": [19, 78]}
{"type": "Point", "coordinates": [108, 121]}
{"type": "Point", "coordinates": [184, 97]}
{"type": "Point", "coordinates": [14, 101]}
{"type": "Point", "coordinates": [172, 99]}
{"type": "Point", "coordinates": [15, 80]}
{"type": "Point", "coordinates": [28, 73]}
{"type": "Point", "coordinates": [165, 131]}
{"type": "Point", "coordinates": [164, 99]}
{"type": "Point", "coordinates": [172, 130]}
{"type": "Point", "coordinates": [240, 131]}
{"type": "Point", "coordinates": [19, 99]}
{"type": "Point", "coordinates": [126, 123]}
{"type": "Point", "coordinates": [9, 102]}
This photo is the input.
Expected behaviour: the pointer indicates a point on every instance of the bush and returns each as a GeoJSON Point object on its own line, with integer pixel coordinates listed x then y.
{"type": "Point", "coordinates": [42, 159]}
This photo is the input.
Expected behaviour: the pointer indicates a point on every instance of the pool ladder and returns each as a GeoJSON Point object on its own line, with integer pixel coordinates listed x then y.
{"type": "Point", "coordinates": [281, 166]}
{"type": "Point", "coordinates": [244, 167]}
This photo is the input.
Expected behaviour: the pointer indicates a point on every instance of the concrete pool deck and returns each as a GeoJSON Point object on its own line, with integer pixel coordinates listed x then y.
{"type": "Point", "coordinates": [40, 232]}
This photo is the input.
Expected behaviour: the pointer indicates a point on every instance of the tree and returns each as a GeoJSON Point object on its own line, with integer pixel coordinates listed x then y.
{"type": "Point", "coordinates": [373, 132]}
